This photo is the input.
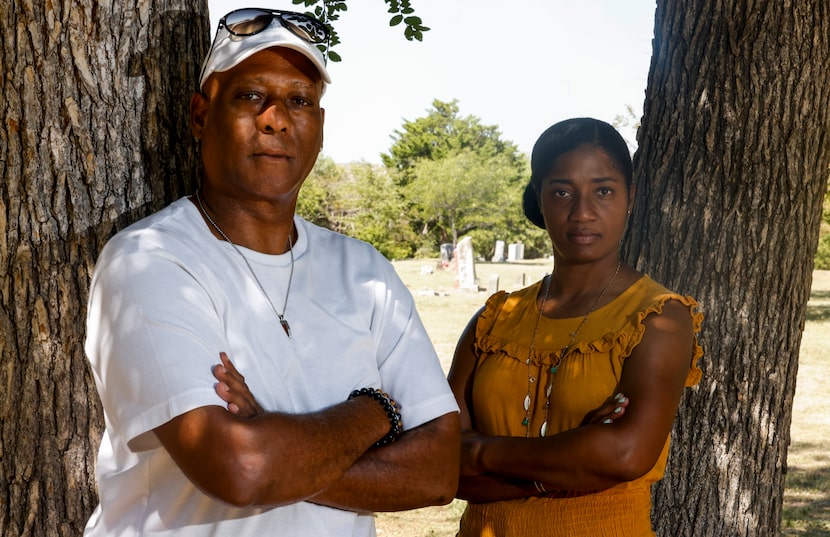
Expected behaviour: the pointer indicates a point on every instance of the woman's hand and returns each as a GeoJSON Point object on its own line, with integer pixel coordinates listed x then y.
{"type": "Point", "coordinates": [233, 390]}
{"type": "Point", "coordinates": [611, 410]}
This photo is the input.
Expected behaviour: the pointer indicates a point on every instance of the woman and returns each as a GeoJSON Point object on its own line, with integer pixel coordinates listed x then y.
{"type": "Point", "coordinates": [531, 365]}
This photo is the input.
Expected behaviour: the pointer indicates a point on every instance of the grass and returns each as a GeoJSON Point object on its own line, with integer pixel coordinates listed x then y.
{"type": "Point", "coordinates": [807, 491]}
{"type": "Point", "coordinates": [446, 310]}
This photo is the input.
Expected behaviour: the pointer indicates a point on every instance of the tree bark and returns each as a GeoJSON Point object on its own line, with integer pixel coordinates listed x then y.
{"type": "Point", "coordinates": [93, 102]}
{"type": "Point", "coordinates": [732, 168]}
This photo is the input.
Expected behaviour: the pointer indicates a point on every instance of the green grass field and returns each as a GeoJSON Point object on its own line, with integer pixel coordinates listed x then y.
{"type": "Point", "coordinates": [446, 310]}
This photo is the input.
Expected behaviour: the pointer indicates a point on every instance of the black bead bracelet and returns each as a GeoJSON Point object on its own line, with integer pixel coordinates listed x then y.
{"type": "Point", "coordinates": [391, 409]}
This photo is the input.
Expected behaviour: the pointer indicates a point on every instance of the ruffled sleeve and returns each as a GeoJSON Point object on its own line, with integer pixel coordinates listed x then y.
{"type": "Point", "coordinates": [614, 330]}
{"type": "Point", "coordinates": [515, 313]}
{"type": "Point", "coordinates": [489, 314]}
{"type": "Point", "coordinates": [637, 330]}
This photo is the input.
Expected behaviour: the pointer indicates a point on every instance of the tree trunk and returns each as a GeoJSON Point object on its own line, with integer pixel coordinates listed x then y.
{"type": "Point", "coordinates": [93, 102]}
{"type": "Point", "coordinates": [731, 169]}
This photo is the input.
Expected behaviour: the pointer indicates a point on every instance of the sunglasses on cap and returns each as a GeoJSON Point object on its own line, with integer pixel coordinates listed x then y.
{"type": "Point", "coordinates": [251, 21]}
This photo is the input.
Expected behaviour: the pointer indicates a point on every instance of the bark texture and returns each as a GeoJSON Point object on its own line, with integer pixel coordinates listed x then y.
{"type": "Point", "coordinates": [731, 170]}
{"type": "Point", "coordinates": [93, 102]}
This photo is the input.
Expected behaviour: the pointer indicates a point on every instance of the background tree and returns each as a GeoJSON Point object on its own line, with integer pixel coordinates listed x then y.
{"type": "Point", "coordinates": [627, 123]}
{"type": "Point", "coordinates": [443, 132]}
{"type": "Point", "coordinates": [323, 201]}
{"type": "Point", "coordinates": [379, 212]}
{"type": "Point", "coordinates": [732, 169]}
{"type": "Point", "coordinates": [420, 158]}
{"type": "Point", "coordinates": [94, 136]}
{"type": "Point", "coordinates": [462, 192]}
{"type": "Point", "coordinates": [359, 200]}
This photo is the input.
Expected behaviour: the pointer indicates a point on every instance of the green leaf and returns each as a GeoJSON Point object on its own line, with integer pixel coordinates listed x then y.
{"type": "Point", "coordinates": [329, 11]}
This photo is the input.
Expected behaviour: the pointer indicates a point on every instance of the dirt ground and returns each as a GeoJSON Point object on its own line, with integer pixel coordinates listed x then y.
{"type": "Point", "coordinates": [428, 522]}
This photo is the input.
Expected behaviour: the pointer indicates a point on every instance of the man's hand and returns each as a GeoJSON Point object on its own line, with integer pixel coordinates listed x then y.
{"type": "Point", "coordinates": [233, 390]}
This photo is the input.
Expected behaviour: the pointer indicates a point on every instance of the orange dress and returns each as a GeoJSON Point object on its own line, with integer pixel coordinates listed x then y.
{"type": "Point", "coordinates": [588, 375]}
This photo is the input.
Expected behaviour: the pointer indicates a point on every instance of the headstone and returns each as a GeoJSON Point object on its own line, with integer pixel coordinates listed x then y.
{"type": "Point", "coordinates": [516, 252]}
{"type": "Point", "coordinates": [493, 284]}
{"type": "Point", "coordinates": [465, 275]}
{"type": "Point", "coordinates": [498, 257]}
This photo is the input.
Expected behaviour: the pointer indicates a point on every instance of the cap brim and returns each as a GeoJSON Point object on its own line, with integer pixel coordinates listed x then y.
{"type": "Point", "coordinates": [229, 50]}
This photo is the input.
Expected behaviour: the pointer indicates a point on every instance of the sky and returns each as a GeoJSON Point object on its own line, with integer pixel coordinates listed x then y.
{"type": "Point", "coordinates": [521, 66]}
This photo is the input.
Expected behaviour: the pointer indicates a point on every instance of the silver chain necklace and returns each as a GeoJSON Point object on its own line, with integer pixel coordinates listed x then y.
{"type": "Point", "coordinates": [555, 367]}
{"type": "Point", "coordinates": [280, 316]}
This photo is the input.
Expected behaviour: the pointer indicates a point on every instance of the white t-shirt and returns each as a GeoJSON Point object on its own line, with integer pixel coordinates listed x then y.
{"type": "Point", "coordinates": [167, 297]}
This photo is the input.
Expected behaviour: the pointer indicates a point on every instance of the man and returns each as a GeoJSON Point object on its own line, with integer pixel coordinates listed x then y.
{"type": "Point", "coordinates": [319, 325]}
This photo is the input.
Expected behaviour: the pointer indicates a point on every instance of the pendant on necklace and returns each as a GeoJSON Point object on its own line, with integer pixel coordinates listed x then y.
{"type": "Point", "coordinates": [285, 326]}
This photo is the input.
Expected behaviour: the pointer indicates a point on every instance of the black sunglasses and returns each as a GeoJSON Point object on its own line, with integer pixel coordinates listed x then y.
{"type": "Point", "coordinates": [251, 21]}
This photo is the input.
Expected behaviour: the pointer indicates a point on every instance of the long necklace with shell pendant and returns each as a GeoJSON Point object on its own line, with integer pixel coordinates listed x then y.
{"type": "Point", "coordinates": [554, 368]}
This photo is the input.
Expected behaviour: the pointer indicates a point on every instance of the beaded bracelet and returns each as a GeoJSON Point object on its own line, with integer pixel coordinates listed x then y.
{"type": "Point", "coordinates": [391, 409]}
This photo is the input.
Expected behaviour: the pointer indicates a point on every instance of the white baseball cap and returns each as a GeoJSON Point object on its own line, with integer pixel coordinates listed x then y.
{"type": "Point", "coordinates": [244, 32]}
